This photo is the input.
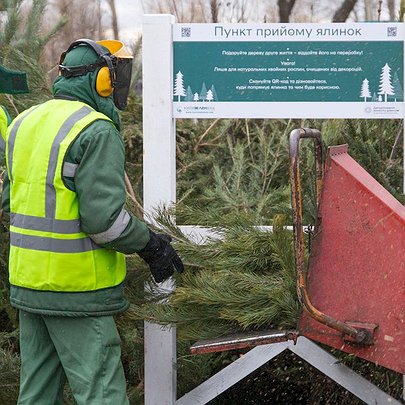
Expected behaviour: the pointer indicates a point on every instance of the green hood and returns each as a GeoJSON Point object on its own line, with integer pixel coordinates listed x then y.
{"type": "Point", "coordinates": [83, 88]}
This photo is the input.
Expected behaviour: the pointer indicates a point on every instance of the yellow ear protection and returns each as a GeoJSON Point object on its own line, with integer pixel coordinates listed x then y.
{"type": "Point", "coordinates": [106, 76]}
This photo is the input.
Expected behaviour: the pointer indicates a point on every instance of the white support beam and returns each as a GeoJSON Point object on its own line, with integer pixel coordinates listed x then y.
{"type": "Point", "coordinates": [305, 349]}
{"type": "Point", "coordinates": [159, 180]}
{"type": "Point", "coordinates": [159, 141]}
{"type": "Point", "coordinates": [231, 374]}
{"type": "Point", "coordinates": [341, 374]}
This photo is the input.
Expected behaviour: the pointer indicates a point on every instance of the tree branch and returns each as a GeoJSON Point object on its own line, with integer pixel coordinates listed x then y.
{"type": "Point", "coordinates": [344, 11]}
{"type": "Point", "coordinates": [214, 10]}
{"type": "Point", "coordinates": [284, 10]}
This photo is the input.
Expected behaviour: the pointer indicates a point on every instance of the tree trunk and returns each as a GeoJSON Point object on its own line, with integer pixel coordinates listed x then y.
{"type": "Point", "coordinates": [99, 30]}
{"type": "Point", "coordinates": [114, 19]}
{"type": "Point", "coordinates": [401, 10]}
{"type": "Point", "coordinates": [344, 11]}
{"type": "Point", "coordinates": [391, 9]}
{"type": "Point", "coordinates": [368, 10]}
{"type": "Point", "coordinates": [214, 10]}
{"type": "Point", "coordinates": [284, 9]}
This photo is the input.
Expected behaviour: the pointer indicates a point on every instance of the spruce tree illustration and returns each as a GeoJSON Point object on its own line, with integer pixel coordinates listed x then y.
{"type": "Point", "coordinates": [210, 96]}
{"type": "Point", "coordinates": [203, 92]}
{"type": "Point", "coordinates": [365, 90]}
{"type": "Point", "coordinates": [179, 90]}
{"type": "Point", "coordinates": [398, 91]}
{"type": "Point", "coordinates": [189, 94]}
{"type": "Point", "coordinates": [386, 88]}
{"type": "Point", "coordinates": [214, 93]}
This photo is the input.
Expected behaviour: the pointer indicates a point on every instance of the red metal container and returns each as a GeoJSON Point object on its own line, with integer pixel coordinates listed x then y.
{"type": "Point", "coordinates": [356, 269]}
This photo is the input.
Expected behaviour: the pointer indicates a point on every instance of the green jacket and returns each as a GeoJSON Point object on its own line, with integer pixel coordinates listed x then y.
{"type": "Point", "coordinates": [99, 184]}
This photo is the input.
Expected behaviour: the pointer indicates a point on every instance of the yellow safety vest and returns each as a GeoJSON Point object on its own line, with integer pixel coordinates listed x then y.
{"type": "Point", "coordinates": [48, 251]}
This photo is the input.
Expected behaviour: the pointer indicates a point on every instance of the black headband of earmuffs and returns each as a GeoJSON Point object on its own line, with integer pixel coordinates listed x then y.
{"type": "Point", "coordinates": [106, 59]}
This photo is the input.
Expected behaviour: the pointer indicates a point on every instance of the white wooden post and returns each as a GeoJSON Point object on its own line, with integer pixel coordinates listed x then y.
{"type": "Point", "coordinates": [159, 180]}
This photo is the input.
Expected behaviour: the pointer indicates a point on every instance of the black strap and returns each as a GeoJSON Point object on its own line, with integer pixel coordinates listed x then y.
{"type": "Point", "coordinates": [74, 71]}
{"type": "Point", "coordinates": [106, 59]}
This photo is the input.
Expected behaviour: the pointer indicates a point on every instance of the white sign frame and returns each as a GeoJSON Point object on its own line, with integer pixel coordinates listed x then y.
{"type": "Point", "coordinates": [268, 35]}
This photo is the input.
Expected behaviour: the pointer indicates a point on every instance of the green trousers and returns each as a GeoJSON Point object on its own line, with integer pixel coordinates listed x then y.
{"type": "Point", "coordinates": [86, 351]}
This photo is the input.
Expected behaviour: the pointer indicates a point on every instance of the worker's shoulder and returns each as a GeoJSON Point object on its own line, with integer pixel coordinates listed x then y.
{"type": "Point", "coordinates": [100, 130]}
{"type": "Point", "coordinates": [99, 135]}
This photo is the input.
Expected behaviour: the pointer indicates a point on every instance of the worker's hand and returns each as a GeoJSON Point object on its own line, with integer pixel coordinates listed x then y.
{"type": "Point", "coordinates": [161, 257]}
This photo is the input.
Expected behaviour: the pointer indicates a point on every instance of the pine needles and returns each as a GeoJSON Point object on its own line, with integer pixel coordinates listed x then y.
{"type": "Point", "coordinates": [245, 280]}
{"type": "Point", "coordinates": [9, 368]}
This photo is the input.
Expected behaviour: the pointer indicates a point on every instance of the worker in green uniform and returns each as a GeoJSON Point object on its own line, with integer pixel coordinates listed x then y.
{"type": "Point", "coordinates": [69, 230]}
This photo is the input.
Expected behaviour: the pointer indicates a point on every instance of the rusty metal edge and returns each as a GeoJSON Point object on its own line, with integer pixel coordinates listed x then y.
{"type": "Point", "coordinates": [242, 341]}
{"type": "Point", "coordinates": [359, 335]}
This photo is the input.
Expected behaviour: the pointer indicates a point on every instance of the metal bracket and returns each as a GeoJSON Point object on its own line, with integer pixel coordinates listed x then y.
{"type": "Point", "coordinates": [367, 329]}
{"type": "Point", "coordinates": [243, 340]}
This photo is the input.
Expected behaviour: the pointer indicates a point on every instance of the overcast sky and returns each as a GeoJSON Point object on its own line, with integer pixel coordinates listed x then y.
{"type": "Point", "coordinates": [129, 18]}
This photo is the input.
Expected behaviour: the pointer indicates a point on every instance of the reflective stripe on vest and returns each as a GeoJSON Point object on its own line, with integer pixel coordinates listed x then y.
{"type": "Point", "coordinates": [10, 137]}
{"type": "Point", "coordinates": [51, 244]}
{"type": "Point", "coordinates": [45, 224]}
{"type": "Point", "coordinates": [69, 169]}
{"type": "Point", "coordinates": [48, 250]}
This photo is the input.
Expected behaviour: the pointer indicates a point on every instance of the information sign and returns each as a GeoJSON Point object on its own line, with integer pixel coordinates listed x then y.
{"type": "Point", "coordinates": [288, 70]}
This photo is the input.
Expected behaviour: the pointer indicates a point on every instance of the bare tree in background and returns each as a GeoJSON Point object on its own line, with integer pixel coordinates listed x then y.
{"type": "Point", "coordinates": [343, 12]}
{"type": "Point", "coordinates": [183, 10]}
{"type": "Point", "coordinates": [111, 4]}
{"type": "Point", "coordinates": [373, 8]}
{"type": "Point", "coordinates": [214, 5]}
{"type": "Point", "coordinates": [369, 10]}
{"type": "Point", "coordinates": [270, 11]}
{"type": "Point", "coordinates": [83, 21]}
{"type": "Point", "coordinates": [235, 11]}
{"type": "Point", "coordinates": [284, 9]}
{"type": "Point", "coordinates": [401, 10]}
{"type": "Point", "coordinates": [391, 9]}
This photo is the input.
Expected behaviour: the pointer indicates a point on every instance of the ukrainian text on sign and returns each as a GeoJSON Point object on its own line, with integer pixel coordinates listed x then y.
{"type": "Point", "coordinates": [298, 70]}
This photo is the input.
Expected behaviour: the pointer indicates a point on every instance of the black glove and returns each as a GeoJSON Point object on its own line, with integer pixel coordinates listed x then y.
{"type": "Point", "coordinates": [161, 257]}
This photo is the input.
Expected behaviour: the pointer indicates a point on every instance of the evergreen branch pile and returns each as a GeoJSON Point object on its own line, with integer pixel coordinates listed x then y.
{"type": "Point", "coordinates": [243, 281]}
{"type": "Point", "coordinates": [22, 42]}
{"type": "Point", "coordinates": [9, 367]}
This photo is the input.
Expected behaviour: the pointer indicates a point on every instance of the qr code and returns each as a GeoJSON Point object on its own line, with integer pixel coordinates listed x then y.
{"type": "Point", "coordinates": [186, 32]}
{"type": "Point", "coordinates": [392, 31]}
